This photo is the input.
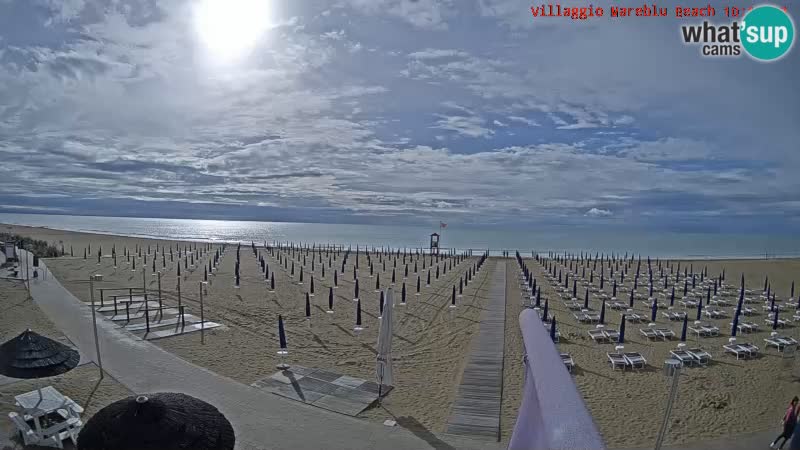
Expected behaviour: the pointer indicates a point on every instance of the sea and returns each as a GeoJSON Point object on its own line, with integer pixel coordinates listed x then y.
{"type": "Point", "coordinates": [656, 244]}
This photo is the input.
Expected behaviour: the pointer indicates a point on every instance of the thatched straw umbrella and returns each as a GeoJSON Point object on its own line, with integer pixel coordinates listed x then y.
{"type": "Point", "coordinates": [161, 421]}
{"type": "Point", "coordinates": [31, 355]}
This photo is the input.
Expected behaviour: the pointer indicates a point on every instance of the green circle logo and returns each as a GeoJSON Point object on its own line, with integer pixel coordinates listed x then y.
{"type": "Point", "coordinates": [767, 33]}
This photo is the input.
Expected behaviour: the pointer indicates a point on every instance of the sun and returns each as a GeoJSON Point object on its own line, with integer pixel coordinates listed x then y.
{"type": "Point", "coordinates": [229, 29]}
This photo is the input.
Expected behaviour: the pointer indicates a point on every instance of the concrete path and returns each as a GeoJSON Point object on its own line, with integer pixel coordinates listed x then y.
{"type": "Point", "coordinates": [261, 420]}
{"type": "Point", "coordinates": [476, 410]}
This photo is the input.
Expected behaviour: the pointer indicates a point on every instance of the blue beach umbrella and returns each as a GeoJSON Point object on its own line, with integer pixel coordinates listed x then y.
{"type": "Point", "coordinates": [330, 299]}
{"type": "Point", "coordinates": [553, 329]}
{"type": "Point", "coordinates": [281, 333]}
{"type": "Point", "coordinates": [654, 311]}
{"type": "Point", "coordinates": [699, 309]}
{"type": "Point", "coordinates": [772, 303]}
{"type": "Point", "coordinates": [622, 330]}
{"type": "Point", "coordinates": [775, 319]}
{"type": "Point", "coordinates": [683, 329]}
{"type": "Point", "coordinates": [546, 305]}
{"type": "Point", "coordinates": [672, 297]}
{"type": "Point", "coordinates": [735, 324]}
{"type": "Point", "coordinates": [308, 307]}
{"type": "Point", "coordinates": [630, 304]}
{"type": "Point", "coordinates": [603, 312]}
{"type": "Point", "coordinates": [586, 299]}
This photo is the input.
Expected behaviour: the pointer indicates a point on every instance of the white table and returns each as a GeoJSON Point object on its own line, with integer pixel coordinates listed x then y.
{"type": "Point", "coordinates": [37, 404]}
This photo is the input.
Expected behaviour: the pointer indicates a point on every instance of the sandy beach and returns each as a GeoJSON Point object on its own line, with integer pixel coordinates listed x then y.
{"type": "Point", "coordinates": [726, 398]}
{"type": "Point", "coordinates": [430, 344]}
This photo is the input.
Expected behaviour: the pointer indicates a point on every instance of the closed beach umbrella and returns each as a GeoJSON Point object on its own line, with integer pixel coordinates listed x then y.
{"type": "Point", "coordinates": [772, 304]}
{"type": "Point", "coordinates": [272, 282]}
{"type": "Point", "coordinates": [330, 299]}
{"type": "Point", "coordinates": [614, 290]}
{"type": "Point", "coordinates": [161, 421]}
{"type": "Point", "coordinates": [403, 294]}
{"type": "Point", "coordinates": [383, 366]}
{"type": "Point", "coordinates": [603, 313]}
{"type": "Point", "coordinates": [358, 315]}
{"type": "Point", "coordinates": [735, 324]}
{"type": "Point", "coordinates": [630, 303]}
{"type": "Point", "coordinates": [31, 355]}
{"type": "Point", "coordinates": [308, 307]}
{"type": "Point", "coordinates": [355, 290]}
{"type": "Point", "coordinates": [654, 311]}
{"type": "Point", "coordinates": [453, 297]}
{"type": "Point", "coordinates": [553, 329]}
{"type": "Point", "coordinates": [538, 296]}
{"type": "Point", "coordinates": [546, 306]}
{"type": "Point", "coordinates": [683, 328]}
{"type": "Point", "coordinates": [699, 309]}
{"type": "Point", "coordinates": [672, 297]}
{"type": "Point", "coordinates": [586, 299]}
{"type": "Point", "coordinates": [775, 319]}
{"type": "Point", "coordinates": [281, 333]}
{"type": "Point", "coordinates": [622, 330]}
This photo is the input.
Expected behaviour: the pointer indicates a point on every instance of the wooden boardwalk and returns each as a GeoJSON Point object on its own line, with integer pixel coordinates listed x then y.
{"type": "Point", "coordinates": [476, 411]}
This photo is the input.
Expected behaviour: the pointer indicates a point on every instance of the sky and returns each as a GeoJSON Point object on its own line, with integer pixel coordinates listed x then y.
{"type": "Point", "coordinates": [390, 111]}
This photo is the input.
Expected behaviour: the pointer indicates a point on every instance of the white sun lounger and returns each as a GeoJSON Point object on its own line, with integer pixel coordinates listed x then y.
{"type": "Point", "coordinates": [781, 322]}
{"type": "Point", "coordinates": [714, 313]}
{"type": "Point", "coordinates": [750, 348]}
{"type": "Point", "coordinates": [747, 311]}
{"type": "Point", "coordinates": [573, 306]}
{"type": "Point", "coordinates": [688, 303]}
{"type": "Point", "coordinates": [633, 317]}
{"type": "Point", "coordinates": [598, 335]}
{"type": "Point", "coordinates": [747, 327]}
{"type": "Point", "coordinates": [612, 335]}
{"type": "Point", "coordinates": [593, 317]}
{"type": "Point", "coordinates": [581, 317]}
{"type": "Point", "coordinates": [649, 333]}
{"type": "Point", "coordinates": [635, 360]}
{"type": "Point", "coordinates": [701, 356]}
{"type": "Point", "coordinates": [737, 350]}
{"type": "Point", "coordinates": [617, 360]}
{"type": "Point", "coordinates": [568, 361]}
{"type": "Point", "coordinates": [618, 305]}
{"type": "Point", "coordinates": [673, 315]}
{"type": "Point", "coordinates": [683, 356]}
{"type": "Point", "coordinates": [776, 342]}
{"type": "Point", "coordinates": [665, 333]}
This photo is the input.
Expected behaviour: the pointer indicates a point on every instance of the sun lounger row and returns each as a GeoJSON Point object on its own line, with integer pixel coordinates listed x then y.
{"type": "Point", "coordinates": [657, 333]}
{"type": "Point", "coordinates": [604, 335]}
{"type": "Point", "coordinates": [746, 350]}
{"type": "Point", "coordinates": [692, 356]}
{"type": "Point", "coordinates": [747, 327]}
{"type": "Point", "coordinates": [673, 315]}
{"type": "Point", "coordinates": [586, 317]}
{"type": "Point", "coordinates": [704, 329]}
{"type": "Point", "coordinates": [780, 342]}
{"type": "Point", "coordinates": [624, 360]}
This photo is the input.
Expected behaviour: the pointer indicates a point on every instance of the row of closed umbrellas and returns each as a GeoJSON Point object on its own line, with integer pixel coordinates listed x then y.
{"type": "Point", "coordinates": [160, 421]}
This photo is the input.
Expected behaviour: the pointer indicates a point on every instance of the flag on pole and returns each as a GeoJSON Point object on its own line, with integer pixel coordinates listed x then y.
{"type": "Point", "coordinates": [442, 225]}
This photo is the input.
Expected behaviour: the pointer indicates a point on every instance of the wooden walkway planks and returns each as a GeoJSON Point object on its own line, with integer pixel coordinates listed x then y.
{"type": "Point", "coordinates": [476, 410]}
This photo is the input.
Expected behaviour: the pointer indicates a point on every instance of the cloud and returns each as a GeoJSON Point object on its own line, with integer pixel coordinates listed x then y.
{"type": "Point", "coordinates": [332, 117]}
{"type": "Point", "coordinates": [596, 212]}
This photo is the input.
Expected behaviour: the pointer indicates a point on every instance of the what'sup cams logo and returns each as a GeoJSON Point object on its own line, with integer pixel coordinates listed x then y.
{"type": "Point", "coordinates": [765, 33]}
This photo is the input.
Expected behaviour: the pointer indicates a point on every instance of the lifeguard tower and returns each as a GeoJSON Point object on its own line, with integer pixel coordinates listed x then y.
{"type": "Point", "coordinates": [435, 244]}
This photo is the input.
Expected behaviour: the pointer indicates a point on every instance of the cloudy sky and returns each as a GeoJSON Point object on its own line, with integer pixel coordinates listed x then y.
{"type": "Point", "coordinates": [371, 111]}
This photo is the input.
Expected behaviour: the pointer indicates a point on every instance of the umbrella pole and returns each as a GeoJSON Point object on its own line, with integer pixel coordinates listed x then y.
{"type": "Point", "coordinates": [94, 323]}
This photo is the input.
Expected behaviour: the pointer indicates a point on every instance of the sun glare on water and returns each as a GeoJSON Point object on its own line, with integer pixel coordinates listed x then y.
{"type": "Point", "coordinates": [230, 29]}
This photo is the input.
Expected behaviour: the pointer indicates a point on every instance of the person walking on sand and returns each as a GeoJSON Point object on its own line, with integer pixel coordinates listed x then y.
{"type": "Point", "coordinates": [789, 422]}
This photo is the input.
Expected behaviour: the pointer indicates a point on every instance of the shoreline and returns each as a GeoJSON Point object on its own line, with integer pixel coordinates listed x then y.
{"type": "Point", "coordinates": [525, 253]}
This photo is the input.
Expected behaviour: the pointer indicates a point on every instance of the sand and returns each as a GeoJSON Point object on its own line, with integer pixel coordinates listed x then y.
{"type": "Point", "coordinates": [430, 341]}
{"type": "Point", "coordinates": [727, 398]}
{"type": "Point", "coordinates": [82, 384]}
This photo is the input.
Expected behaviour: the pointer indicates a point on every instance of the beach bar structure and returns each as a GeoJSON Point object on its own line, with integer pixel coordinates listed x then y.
{"type": "Point", "coordinates": [435, 243]}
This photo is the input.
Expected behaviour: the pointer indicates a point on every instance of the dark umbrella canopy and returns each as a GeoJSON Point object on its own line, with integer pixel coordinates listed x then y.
{"type": "Point", "coordinates": [683, 328]}
{"type": "Point", "coordinates": [162, 421]}
{"type": "Point", "coordinates": [622, 330]}
{"type": "Point", "coordinates": [31, 355]}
